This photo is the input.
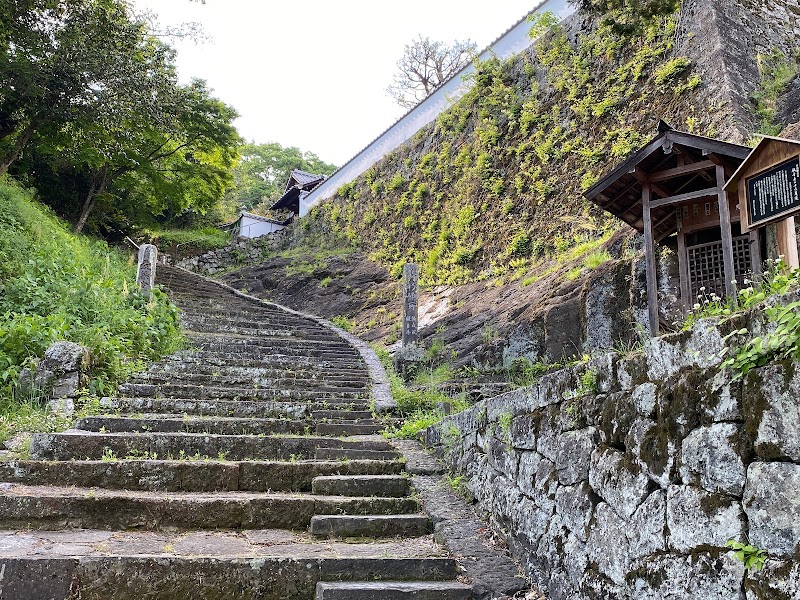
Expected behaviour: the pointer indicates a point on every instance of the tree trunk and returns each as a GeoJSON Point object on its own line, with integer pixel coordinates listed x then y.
{"type": "Point", "coordinates": [22, 141]}
{"type": "Point", "coordinates": [98, 187]}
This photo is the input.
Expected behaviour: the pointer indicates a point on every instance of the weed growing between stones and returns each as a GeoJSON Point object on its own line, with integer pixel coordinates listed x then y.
{"type": "Point", "coordinates": [751, 556]}
{"type": "Point", "coordinates": [31, 415]}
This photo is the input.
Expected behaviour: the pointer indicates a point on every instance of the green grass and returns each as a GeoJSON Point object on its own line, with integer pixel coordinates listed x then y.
{"type": "Point", "coordinates": [55, 285]}
{"type": "Point", "coordinates": [187, 242]}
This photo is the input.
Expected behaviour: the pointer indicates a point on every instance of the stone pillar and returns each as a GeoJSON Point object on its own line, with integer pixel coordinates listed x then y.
{"type": "Point", "coordinates": [410, 304]}
{"type": "Point", "coordinates": [146, 273]}
{"type": "Point", "coordinates": [409, 356]}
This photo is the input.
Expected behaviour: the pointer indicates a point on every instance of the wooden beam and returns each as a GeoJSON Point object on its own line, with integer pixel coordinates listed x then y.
{"type": "Point", "coordinates": [680, 171]}
{"type": "Point", "coordinates": [705, 193]}
{"type": "Point", "coordinates": [650, 262]}
{"type": "Point", "coordinates": [727, 237]}
{"type": "Point", "coordinates": [755, 252]}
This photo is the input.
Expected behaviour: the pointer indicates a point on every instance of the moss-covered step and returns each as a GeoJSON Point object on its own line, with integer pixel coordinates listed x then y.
{"type": "Point", "coordinates": [198, 475]}
{"type": "Point", "coordinates": [53, 508]}
{"type": "Point", "coordinates": [385, 486]}
{"type": "Point", "coordinates": [76, 445]}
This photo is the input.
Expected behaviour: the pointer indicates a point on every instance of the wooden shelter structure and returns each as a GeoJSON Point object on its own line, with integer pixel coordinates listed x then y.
{"type": "Point", "coordinates": [675, 184]}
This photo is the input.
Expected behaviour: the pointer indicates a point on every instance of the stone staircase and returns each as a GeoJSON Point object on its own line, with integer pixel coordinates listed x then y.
{"type": "Point", "coordinates": [248, 466]}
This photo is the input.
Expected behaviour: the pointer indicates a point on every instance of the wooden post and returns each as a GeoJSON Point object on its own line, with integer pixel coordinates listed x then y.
{"type": "Point", "coordinates": [410, 304]}
{"type": "Point", "coordinates": [787, 243]}
{"type": "Point", "coordinates": [650, 261]}
{"type": "Point", "coordinates": [727, 236]}
{"type": "Point", "coordinates": [755, 252]}
{"type": "Point", "coordinates": [683, 269]}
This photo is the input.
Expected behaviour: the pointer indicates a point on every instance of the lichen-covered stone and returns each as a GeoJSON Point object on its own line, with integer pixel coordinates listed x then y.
{"type": "Point", "coordinates": [772, 503]}
{"type": "Point", "coordinates": [537, 479]}
{"type": "Point", "coordinates": [779, 580]}
{"type": "Point", "coordinates": [701, 347]}
{"type": "Point", "coordinates": [618, 481]}
{"type": "Point", "coordinates": [574, 455]}
{"type": "Point", "coordinates": [644, 399]}
{"type": "Point", "coordinates": [709, 458]}
{"type": "Point", "coordinates": [778, 434]}
{"type": "Point", "coordinates": [608, 545]}
{"type": "Point", "coordinates": [697, 577]}
{"type": "Point", "coordinates": [574, 504]}
{"type": "Point", "coordinates": [698, 518]}
{"type": "Point", "coordinates": [646, 528]}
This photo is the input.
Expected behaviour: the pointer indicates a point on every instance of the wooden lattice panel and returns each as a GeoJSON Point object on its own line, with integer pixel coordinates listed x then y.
{"type": "Point", "coordinates": [707, 267]}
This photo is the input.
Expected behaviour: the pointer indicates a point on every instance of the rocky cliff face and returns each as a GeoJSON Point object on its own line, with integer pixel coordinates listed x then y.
{"type": "Point", "coordinates": [626, 477]}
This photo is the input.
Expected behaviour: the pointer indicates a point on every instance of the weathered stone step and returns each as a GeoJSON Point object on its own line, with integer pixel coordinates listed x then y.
{"type": "Point", "coordinates": [193, 476]}
{"type": "Point", "coordinates": [230, 408]}
{"type": "Point", "coordinates": [394, 590]}
{"type": "Point", "coordinates": [52, 508]}
{"type": "Point", "coordinates": [226, 321]}
{"type": "Point", "coordinates": [337, 429]}
{"type": "Point", "coordinates": [184, 424]}
{"type": "Point", "coordinates": [333, 415]}
{"type": "Point", "coordinates": [282, 347]}
{"type": "Point", "coordinates": [370, 526]}
{"type": "Point", "coordinates": [254, 380]}
{"type": "Point", "coordinates": [284, 369]}
{"type": "Point", "coordinates": [385, 486]}
{"type": "Point", "coordinates": [178, 390]}
{"type": "Point", "coordinates": [277, 333]}
{"type": "Point", "coordinates": [355, 454]}
{"type": "Point", "coordinates": [79, 445]}
{"type": "Point", "coordinates": [188, 359]}
{"type": "Point", "coordinates": [208, 570]}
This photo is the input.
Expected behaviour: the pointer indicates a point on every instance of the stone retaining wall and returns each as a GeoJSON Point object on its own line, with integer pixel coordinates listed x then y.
{"type": "Point", "coordinates": [632, 490]}
{"type": "Point", "coordinates": [241, 252]}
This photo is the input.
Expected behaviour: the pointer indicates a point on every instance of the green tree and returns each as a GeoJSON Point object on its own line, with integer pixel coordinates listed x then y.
{"type": "Point", "coordinates": [57, 57]}
{"type": "Point", "coordinates": [263, 171]}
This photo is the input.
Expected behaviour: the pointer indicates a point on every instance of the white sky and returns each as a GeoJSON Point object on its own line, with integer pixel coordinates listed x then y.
{"type": "Point", "coordinates": [312, 73]}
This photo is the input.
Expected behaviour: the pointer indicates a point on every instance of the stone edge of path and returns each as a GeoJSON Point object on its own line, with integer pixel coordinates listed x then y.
{"type": "Point", "coordinates": [381, 390]}
{"type": "Point", "coordinates": [489, 568]}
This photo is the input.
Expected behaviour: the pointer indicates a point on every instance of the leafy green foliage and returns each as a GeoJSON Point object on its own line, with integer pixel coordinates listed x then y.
{"type": "Point", "coordinates": [263, 171]}
{"type": "Point", "coordinates": [188, 242]}
{"type": "Point", "coordinates": [776, 70]}
{"type": "Point", "coordinates": [751, 556]}
{"type": "Point", "coordinates": [56, 286]}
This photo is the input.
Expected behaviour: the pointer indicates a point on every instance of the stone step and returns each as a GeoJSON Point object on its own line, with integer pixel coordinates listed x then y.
{"type": "Point", "coordinates": [230, 408]}
{"type": "Point", "coordinates": [241, 354]}
{"type": "Point", "coordinates": [370, 526]}
{"type": "Point", "coordinates": [385, 486]}
{"type": "Point", "coordinates": [333, 415]}
{"type": "Point", "coordinates": [179, 390]}
{"type": "Point", "coordinates": [186, 424]}
{"type": "Point", "coordinates": [55, 508]}
{"type": "Point", "coordinates": [393, 590]}
{"type": "Point", "coordinates": [214, 566]}
{"type": "Point", "coordinates": [187, 359]}
{"type": "Point", "coordinates": [224, 322]}
{"type": "Point", "coordinates": [79, 445]}
{"type": "Point", "coordinates": [337, 429]}
{"type": "Point", "coordinates": [280, 333]}
{"type": "Point", "coordinates": [318, 380]}
{"type": "Point", "coordinates": [355, 454]}
{"type": "Point", "coordinates": [290, 368]}
{"type": "Point", "coordinates": [194, 476]}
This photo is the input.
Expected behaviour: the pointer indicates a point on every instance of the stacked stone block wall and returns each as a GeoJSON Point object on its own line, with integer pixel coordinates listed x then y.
{"type": "Point", "coordinates": [632, 489]}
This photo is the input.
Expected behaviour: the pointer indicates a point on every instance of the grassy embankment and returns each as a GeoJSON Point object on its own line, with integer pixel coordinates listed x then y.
{"type": "Point", "coordinates": [55, 285]}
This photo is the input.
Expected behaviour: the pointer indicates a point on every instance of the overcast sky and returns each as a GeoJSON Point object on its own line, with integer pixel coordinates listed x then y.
{"type": "Point", "coordinates": [312, 73]}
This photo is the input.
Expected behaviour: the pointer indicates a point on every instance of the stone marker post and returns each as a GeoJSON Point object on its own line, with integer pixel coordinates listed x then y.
{"type": "Point", "coordinates": [410, 305]}
{"type": "Point", "coordinates": [146, 272]}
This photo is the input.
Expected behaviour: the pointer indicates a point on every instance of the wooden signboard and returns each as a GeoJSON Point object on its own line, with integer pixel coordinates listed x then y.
{"type": "Point", "coordinates": [774, 194]}
{"type": "Point", "coordinates": [768, 187]}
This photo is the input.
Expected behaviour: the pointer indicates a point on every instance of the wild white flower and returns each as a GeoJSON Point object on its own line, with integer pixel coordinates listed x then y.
{"type": "Point", "coordinates": [703, 289]}
{"type": "Point", "coordinates": [696, 306]}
